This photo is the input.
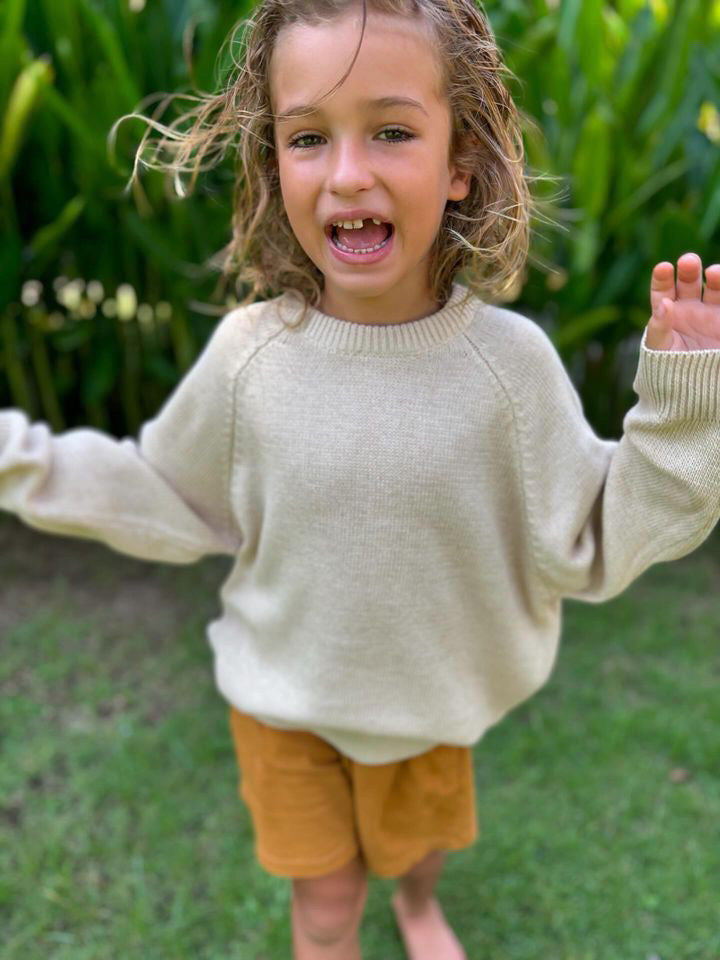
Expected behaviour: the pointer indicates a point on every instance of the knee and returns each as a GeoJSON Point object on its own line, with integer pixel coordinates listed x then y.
{"type": "Point", "coordinates": [330, 907]}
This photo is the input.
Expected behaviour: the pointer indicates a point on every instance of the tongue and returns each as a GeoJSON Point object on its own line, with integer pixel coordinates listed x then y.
{"type": "Point", "coordinates": [370, 235]}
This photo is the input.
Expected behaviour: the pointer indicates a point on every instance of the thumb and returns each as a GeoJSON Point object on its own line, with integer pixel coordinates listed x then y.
{"type": "Point", "coordinates": [664, 310]}
{"type": "Point", "coordinates": [659, 331]}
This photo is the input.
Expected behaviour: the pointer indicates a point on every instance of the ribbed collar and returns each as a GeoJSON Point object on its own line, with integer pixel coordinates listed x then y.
{"type": "Point", "coordinates": [413, 336]}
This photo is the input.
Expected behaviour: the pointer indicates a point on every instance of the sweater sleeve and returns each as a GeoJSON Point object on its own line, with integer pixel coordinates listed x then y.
{"type": "Point", "coordinates": [601, 512]}
{"type": "Point", "coordinates": [164, 497]}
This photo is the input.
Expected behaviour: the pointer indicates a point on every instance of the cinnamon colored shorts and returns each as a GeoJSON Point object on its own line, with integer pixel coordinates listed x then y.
{"type": "Point", "coordinates": [314, 809]}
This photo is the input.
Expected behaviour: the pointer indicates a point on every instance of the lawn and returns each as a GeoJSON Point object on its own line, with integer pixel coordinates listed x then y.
{"type": "Point", "coordinates": [122, 835]}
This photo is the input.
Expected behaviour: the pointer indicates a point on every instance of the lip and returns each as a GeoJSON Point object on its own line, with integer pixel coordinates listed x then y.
{"type": "Point", "coordinates": [361, 259]}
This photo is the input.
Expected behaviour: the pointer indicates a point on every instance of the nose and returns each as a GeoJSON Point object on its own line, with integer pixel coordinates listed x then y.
{"type": "Point", "coordinates": [350, 168]}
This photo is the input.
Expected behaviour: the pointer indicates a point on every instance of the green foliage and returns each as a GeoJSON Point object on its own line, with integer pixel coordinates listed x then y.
{"type": "Point", "coordinates": [625, 95]}
{"type": "Point", "coordinates": [68, 353]}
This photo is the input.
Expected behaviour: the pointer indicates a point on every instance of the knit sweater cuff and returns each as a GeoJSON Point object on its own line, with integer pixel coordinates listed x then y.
{"type": "Point", "coordinates": [680, 384]}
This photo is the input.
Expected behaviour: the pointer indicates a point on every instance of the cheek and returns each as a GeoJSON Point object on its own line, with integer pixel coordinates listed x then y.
{"type": "Point", "coordinates": [292, 202]}
{"type": "Point", "coordinates": [293, 186]}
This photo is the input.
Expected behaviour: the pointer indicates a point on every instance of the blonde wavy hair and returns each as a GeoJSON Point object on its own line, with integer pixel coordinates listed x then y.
{"type": "Point", "coordinates": [484, 238]}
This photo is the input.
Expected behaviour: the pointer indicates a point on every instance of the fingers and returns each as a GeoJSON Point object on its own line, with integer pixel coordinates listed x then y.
{"type": "Point", "coordinates": [712, 285]}
{"type": "Point", "coordinates": [662, 285]}
{"type": "Point", "coordinates": [689, 282]}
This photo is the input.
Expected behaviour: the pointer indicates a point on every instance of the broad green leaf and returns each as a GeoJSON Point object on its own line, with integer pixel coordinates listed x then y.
{"type": "Point", "coordinates": [580, 328]}
{"type": "Point", "coordinates": [21, 392]}
{"type": "Point", "coordinates": [70, 42]}
{"type": "Point", "coordinates": [585, 245]}
{"type": "Point", "coordinates": [159, 246]}
{"type": "Point", "coordinates": [557, 81]}
{"type": "Point", "coordinates": [711, 217]}
{"type": "Point", "coordinates": [12, 42]}
{"type": "Point", "coordinates": [10, 266]}
{"type": "Point", "coordinates": [74, 120]}
{"type": "Point", "coordinates": [617, 282]}
{"type": "Point", "coordinates": [676, 233]}
{"type": "Point", "coordinates": [159, 367]}
{"type": "Point", "coordinates": [661, 9]}
{"type": "Point", "coordinates": [567, 25]}
{"type": "Point", "coordinates": [25, 94]}
{"type": "Point", "coordinates": [47, 237]}
{"type": "Point", "coordinates": [11, 16]}
{"type": "Point", "coordinates": [591, 40]}
{"type": "Point", "coordinates": [107, 38]}
{"type": "Point", "coordinates": [637, 56]}
{"type": "Point", "coordinates": [44, 379]}
{"type": "Point", "coordinates": [593, 161]}
{"type": "Point", "coordinates": [72, 338]}
{"type": "Point", "coordinates": [679, 128]}
{"type": "Point", "coordinates": [679, 36]}
{"type": "Point", "coordinates": [617, 32]}
{"type": "Point", "coordinates": [628, 9]}
{"type": "Point", "coordinates": [538, 35]}
{"type": "Point", "coordinates": [645, 191]}
{"type": "Point", "coordinates": [101, 371]}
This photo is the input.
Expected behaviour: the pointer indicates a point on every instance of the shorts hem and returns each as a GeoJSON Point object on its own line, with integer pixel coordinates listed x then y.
{"type": "Point", "coordinates": [398, 868]}
{"type": "Point", "coordinates": [304, 869]}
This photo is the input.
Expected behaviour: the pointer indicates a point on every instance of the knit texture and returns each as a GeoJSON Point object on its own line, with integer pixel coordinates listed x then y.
{"type": "Point", "coordinates": [406, 505]}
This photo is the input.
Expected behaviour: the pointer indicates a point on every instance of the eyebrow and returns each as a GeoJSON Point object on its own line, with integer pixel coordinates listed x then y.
{"type": "Point", "coordinates": [380, 103]}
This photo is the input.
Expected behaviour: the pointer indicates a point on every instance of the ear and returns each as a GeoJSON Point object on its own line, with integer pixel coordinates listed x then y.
{"type": "Point", "coordinates": [459, 182]}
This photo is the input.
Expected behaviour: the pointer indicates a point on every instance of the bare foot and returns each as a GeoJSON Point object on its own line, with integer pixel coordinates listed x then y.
{"type": "Point", "coordinates": [427, 936]}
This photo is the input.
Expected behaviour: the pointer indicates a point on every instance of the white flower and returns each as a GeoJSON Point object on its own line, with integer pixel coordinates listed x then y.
{"type": "Point", "coordinates": [31, 292]}
{"type": "Point", "coordinates": [126, 301]}
{"type": "Point", "coordinates": [95, 291]}
{"type": "Point", "coordinates": [71, 294]}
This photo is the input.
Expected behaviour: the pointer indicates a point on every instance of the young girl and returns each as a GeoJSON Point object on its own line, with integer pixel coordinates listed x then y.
{"type": "Point", "coordinates": [400, 467]}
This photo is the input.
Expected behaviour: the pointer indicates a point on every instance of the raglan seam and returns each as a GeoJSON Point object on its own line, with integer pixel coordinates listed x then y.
{"type": "Point", "coordinates": [233, 422]}
{"type": "Point", "coordinates": [550, 595]}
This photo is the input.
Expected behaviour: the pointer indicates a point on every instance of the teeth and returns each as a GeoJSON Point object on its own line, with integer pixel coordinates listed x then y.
{"type": "Point", "coordinates": [352, 224]}
{"type": "Point", "coordinates": [364, 249]}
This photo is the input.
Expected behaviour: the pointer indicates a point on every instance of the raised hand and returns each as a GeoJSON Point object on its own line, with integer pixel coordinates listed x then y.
{"type": "Point", "coordinates": [683, 317]}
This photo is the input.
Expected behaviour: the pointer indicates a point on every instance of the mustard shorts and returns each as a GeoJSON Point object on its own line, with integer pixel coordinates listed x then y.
{"type": "Point", "coordinates": [314, 809]}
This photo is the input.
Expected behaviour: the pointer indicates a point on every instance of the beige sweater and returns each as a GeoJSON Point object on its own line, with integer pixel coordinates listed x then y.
{"type": "Point", "coordinates": [406, 506]}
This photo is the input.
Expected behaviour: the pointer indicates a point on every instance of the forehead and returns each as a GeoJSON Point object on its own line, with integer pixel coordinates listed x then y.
{"type": "Point", "coordinates": [308, 60]}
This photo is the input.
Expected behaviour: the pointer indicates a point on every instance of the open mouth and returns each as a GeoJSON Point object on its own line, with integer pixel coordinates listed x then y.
{"type": "Point", "coordinates": [332, 232]}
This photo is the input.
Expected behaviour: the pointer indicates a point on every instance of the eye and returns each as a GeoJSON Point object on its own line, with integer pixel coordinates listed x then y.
{"type": "Point", "coordinates": [404, 135]}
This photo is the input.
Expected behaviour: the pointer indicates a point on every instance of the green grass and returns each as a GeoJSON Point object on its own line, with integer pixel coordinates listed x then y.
{"type": "Point", "coordinates": [123, 835]}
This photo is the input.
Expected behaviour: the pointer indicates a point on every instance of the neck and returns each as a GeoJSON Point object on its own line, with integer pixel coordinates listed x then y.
{"type": "Point", "coordinates": [392, 307]}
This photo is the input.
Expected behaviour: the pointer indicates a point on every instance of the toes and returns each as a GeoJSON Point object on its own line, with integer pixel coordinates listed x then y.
{"type": "Point", "coordinates": [712, 285]}
{"type": "Point", "coordinates": [662, 284]}
{"type": "Point", "coordinates": [690, 281]}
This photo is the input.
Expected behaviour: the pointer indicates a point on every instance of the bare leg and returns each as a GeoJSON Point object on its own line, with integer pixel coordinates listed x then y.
{"type": "Point", "coordinates": [326, 914]}
{"type": "Point", "coordinates": [316, 945]}
{"type": "Point", "coordinates": [419, 916]}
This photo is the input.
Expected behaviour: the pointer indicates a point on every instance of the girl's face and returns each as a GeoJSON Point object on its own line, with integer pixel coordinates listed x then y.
{"type": "Point", "coordinates": [352, 155]}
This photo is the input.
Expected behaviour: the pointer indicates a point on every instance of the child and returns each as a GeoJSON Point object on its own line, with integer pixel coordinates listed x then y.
{"type": "Point", "coordinates": [401, 469]}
